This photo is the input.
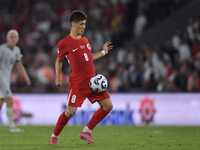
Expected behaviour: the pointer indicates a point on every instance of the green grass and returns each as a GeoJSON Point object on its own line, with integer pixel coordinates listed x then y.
{"type": "Point", "coordinates": [106, 137]}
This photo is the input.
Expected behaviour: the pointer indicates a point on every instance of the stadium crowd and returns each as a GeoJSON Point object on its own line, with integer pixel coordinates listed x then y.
{"type": "Point", "coordinates": [173, 67]}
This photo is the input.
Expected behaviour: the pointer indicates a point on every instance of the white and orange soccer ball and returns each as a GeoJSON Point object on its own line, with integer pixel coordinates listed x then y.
{"type": "Point", "coordinates": [98, 83]}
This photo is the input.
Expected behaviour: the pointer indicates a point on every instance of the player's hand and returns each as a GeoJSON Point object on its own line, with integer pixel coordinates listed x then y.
{"type": "Point", "coordinates": [28, 81]}
{"type": "Point", "coordinates": [58, 81]}
{"type": "Point", "coordinates": [107, 46]}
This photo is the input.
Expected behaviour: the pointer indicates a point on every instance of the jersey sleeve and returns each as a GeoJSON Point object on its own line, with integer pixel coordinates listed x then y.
{"type": "Point", "coordinates": [18, 55]}
{"type": "Point", "coordinates": [61, 50]}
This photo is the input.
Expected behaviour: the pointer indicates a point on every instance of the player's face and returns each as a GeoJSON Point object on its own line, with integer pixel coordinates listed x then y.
{"type": "Point", "coordinates": [80, 27]}
{"type": "Point", "coordinates": [12, 38]}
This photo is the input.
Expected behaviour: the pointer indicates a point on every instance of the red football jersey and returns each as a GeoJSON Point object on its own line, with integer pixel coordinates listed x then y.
{"type": "Point", "coordinates": [79, 55]}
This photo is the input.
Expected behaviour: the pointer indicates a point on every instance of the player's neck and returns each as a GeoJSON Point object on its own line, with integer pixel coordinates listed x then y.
{"type": "Point", "coordinates": [75, 36]}
{"type": "Point", "coordinates": [11, 46]}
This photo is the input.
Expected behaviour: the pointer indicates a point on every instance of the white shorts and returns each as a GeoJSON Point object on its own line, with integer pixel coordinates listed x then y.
{"type": "Point", "coordinates": [5, 90]}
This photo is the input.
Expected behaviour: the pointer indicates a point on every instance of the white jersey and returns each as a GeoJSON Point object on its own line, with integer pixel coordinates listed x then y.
{"type": "Point", "coordinates": [8, 57]}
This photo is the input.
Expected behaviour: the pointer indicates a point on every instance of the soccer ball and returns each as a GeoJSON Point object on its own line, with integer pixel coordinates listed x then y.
{"type": "Point", "coordinates": [98, 83]}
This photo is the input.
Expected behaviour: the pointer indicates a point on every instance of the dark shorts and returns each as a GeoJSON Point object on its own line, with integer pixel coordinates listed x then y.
{"type": "Point", "coordinates": [77, 96]}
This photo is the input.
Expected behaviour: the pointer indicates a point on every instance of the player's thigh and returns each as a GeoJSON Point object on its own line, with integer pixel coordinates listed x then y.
{"type": "Point", "coordinates": [106, 104]}
{"type": "Point", "coordinates": [9, 101]}
{"type": "Point", "coordinates": [103, 98]}
{"type": "Point", "coordinates": [76, 97]}
{"type": "Point", "coordinates": [1, 103]}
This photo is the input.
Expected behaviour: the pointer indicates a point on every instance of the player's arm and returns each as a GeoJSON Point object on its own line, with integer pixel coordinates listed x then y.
{"type": "Point", "coordinates": [22, 72]}
{"type": "Point", "coordinates": [106, 48]}
{"type": "Point", "coordinates": [58, 69]}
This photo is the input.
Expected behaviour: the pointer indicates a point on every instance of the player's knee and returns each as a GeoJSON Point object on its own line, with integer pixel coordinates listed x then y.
{"type": "Point", "coordinates": [108, 107]}
{"type": "Point", "coordinates": [69, 114]}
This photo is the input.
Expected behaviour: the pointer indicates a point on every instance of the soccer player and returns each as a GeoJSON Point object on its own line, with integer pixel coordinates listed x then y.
{"type": "Point", "coordinates": [77, 50]}
{"type": "Point", "coordinates": [9, 55]}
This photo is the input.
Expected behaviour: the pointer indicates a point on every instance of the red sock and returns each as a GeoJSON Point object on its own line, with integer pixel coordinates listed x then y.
{"type": "Point", "coordinates": [96, 118]}
{"type": "Point", "coordinates": [62, 121]}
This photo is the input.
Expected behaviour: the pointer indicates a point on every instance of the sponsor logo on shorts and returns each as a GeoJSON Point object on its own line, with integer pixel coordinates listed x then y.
{"type": "Point", "coordinates": [7, 92]}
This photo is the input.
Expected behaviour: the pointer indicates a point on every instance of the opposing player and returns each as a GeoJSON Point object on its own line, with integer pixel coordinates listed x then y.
{"type": "Point", "coordinates": [9, 55]}
{"type": "Point", "coordinates": [77, 50]}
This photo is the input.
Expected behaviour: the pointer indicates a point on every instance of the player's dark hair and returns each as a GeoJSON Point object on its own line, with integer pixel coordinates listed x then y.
{"type": "Point", "coordinates": [77, 16]}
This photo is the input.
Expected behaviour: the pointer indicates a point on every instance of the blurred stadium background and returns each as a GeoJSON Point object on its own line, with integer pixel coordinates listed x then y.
{"type": "Point", "coordinates": [153, 70]}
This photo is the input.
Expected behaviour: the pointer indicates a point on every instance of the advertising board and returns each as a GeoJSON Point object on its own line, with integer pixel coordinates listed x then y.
{"type": "Point", "coordinates": [128, 109]}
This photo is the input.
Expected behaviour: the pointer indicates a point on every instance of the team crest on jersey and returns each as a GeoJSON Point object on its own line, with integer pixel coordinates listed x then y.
{"type": "Point", "coordinates": [88, 46]}
{"type": "Point", "coordinates": [82, 46]}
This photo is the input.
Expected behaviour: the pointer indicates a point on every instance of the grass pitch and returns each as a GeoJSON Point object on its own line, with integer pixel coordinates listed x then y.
{"type": "Point", "coordinates": [106, 137]}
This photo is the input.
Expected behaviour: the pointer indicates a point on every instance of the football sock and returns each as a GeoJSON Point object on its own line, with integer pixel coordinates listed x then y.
{"type": "Point", "coordinates": [53, 135]}
{"type": "Point", "coordinates": [96, 118]}
{"type": "Point", "coordinates": [62, 121]}
{"type": "Point", "coordinates": [9, 113]}
{"type": "Point", "coordinates": [86, 129]}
